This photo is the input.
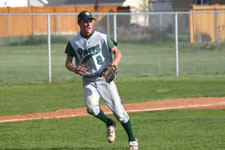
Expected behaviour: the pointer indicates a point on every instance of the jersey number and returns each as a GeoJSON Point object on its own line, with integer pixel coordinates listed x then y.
{"type": "Point", "coordinates": [99, 60]}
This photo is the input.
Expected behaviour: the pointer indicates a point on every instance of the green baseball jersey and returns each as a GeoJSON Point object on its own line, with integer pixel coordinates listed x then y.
{"type": "Point", "coordinates": [93, 51]}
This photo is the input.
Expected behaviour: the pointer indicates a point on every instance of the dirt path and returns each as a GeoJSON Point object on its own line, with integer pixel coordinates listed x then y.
{"type": "Point", "coordinates": [179, 103]}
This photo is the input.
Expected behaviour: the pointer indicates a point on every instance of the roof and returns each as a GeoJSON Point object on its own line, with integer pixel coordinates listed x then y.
{"type": "Point", "coordinates": [167, 6]}
{"type": "Point", "coordinates": [84, 2]}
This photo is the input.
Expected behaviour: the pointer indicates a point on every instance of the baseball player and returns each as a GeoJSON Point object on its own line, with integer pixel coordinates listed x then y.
{"type": "Point", "coordinates": [93, 51]}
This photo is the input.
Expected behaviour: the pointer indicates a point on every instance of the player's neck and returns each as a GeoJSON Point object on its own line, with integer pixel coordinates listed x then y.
{"type": "Point", "coordinates": [86, 35]}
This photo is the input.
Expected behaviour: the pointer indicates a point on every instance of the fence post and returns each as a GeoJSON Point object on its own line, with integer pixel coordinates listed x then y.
{"type": "Point", "coordinates": [216, 25]}
{"type": "Point", "coordinates": [49, 50]}
{"type": "Point", "coordinates": [9, 26]}
{"type": "Point", "coordinates": [108, 25]}
{"type": "Point", "coordinates": [9, 29]}
{"type": "Point", "coordinates": [176, 43]}
{"type": "Point", "coordinates": [115, 23]}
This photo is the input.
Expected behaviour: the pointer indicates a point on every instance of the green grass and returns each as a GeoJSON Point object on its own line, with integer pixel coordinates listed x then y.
{"type": "Point", "coordinates": [146, 73]}
{"type": "Point", "coordinates": [156, 130]}
{"type": "Point", "coordinates": [30, 63]}
{"type": "Point", "coordinates": [37, 97]}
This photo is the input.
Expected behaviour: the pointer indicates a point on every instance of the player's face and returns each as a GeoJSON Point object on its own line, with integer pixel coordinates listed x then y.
{"type": "Point", "coordinates": [86, 26]}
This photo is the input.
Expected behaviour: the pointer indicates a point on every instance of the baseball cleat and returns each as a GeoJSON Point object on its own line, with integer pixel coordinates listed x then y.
{"type": "Point", "coordinates": [133, 144]}
{"type": "Point", "coordinates": [110, 132]}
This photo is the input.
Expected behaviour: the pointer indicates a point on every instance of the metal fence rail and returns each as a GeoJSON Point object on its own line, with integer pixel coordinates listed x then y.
{"type": "Point", "coordinates": [188, 33]}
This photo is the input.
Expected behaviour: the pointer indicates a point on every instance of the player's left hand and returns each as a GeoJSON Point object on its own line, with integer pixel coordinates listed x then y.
{"type": "Point", "coordinates": [109, 73]}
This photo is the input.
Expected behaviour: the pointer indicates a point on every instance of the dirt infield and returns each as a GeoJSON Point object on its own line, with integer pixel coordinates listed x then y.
{"type": "Point", "coordinates": [179, 103]}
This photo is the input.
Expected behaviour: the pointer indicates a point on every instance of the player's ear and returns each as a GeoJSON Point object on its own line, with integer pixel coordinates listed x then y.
{"type": "Point", "coordinates": [78, 22]}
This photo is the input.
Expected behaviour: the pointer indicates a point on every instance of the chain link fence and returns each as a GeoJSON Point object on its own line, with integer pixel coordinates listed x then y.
{"type": "Point", "coordinates": [162, 43]}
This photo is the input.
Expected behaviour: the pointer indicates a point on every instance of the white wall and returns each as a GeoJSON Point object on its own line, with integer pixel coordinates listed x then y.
{"type": "Point", "coordinates": [135, 6]}
{"type": "Point", "coordinates": [36, 3]}
{"type": "Point", "coordinates": [13, 3]}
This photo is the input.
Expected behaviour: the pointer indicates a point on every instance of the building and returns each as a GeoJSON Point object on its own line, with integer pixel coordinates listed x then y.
{"type": "Point", "coordinates": [25, 3]}
{"type": "Point", "coordinates": [160, 5]}
{"type": "Point", "coordinates": [185, 5]}
{"type": "Point", "coordinates": [22, 3]}
{"type": "Point", "coordinates": [85, 2]}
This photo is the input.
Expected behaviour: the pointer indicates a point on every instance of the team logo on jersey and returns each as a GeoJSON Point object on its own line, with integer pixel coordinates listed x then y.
{"type": "Point", "coordinates": [86, 54]}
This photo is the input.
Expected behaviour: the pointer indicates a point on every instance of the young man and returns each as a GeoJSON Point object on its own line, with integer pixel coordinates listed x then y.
{"type": "Point", "coordinates": [93, 52]}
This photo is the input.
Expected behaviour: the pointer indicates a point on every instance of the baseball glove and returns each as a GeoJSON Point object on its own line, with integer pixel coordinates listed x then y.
{"type": "Point", "coordinates": [109, 73]}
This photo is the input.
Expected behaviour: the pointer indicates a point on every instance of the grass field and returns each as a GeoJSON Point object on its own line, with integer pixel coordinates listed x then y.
{"type": "Point", "coordinates": [37, 97]}
{"type": "Point", "coordinates": [157, 130]}
{"type": "Point", "coordinates": [171, 129]}
{"type": "Point", "coordinates": [146, 73]}
{"type": "Point", "coordinates": [30, 63]}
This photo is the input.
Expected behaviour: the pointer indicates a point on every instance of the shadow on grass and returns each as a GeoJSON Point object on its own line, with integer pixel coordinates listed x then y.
{"type": "Point", "coordinates": [36, 148]}
{"type": "Point", "coordinates": [89, 148]}
{"type": "Point", "coordinates": [76, 148]}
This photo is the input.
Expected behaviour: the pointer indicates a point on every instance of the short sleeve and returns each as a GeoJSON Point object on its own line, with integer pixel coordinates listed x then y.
{"type": "Point", "coordinates": [111, 43]}
{"type": "Point", "coordinates": [69, 50]}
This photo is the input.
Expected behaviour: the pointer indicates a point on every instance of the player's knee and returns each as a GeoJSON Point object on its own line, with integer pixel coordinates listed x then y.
{"type": "Point", "coordinates": [123, 118]}
{"type": "Point", "coordinates": [93, 111]}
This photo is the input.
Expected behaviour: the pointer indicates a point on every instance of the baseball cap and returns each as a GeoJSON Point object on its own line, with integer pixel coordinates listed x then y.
{"type": "Point", "coordinates": [83, 15]}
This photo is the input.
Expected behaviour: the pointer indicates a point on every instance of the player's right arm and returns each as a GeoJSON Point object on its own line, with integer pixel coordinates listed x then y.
{"type": "Point", "coordinates": [69, 64]}
{"type": "Point", "coordinates": [76, 69]}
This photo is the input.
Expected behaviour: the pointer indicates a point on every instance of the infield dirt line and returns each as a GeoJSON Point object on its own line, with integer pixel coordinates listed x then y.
{"type": "Point", "coordinates": [179, 103]}
{"type": "Point", "coordinates": [179, 107]}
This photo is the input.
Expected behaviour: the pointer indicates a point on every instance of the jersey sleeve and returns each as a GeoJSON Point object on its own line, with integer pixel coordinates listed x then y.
{"type": "Point", "coordinates": [69, 50]}
{"type": "Point", "coordinates": [111, 43]}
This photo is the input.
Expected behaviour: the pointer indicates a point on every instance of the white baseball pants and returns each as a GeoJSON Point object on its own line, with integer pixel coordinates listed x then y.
{"type": "Point", "coordinates": [93, 88]}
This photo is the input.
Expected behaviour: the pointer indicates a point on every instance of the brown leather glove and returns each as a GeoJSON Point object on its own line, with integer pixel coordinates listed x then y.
{"type": "Point", "coordinates": [109, 73]}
